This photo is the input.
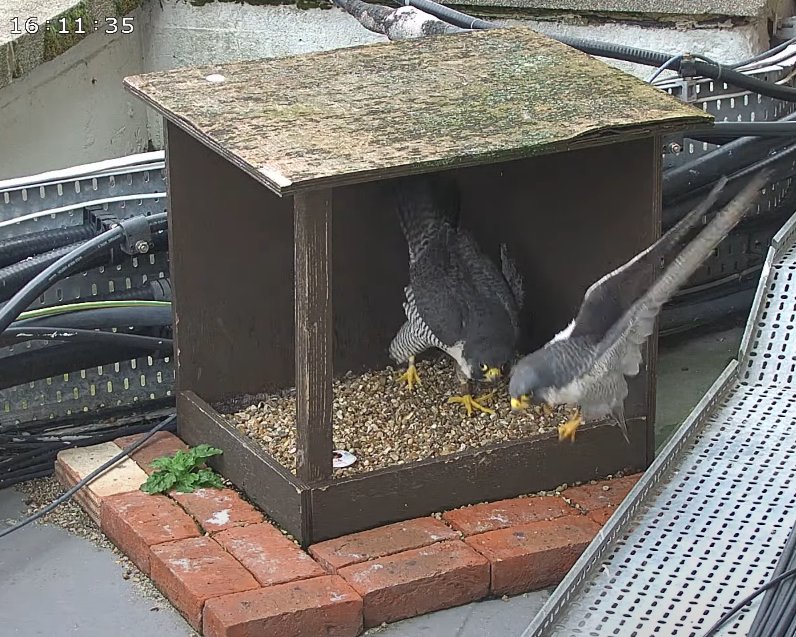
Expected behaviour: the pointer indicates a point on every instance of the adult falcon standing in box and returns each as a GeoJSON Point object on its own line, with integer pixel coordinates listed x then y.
{"type": "Point", "coordinates": [585, 365]}
{"type": "Point", "coordinates": [457, 299]}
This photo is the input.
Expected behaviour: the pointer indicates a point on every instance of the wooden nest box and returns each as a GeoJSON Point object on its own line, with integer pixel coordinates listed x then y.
{"type": "Point", "coordinates": [288, 264]}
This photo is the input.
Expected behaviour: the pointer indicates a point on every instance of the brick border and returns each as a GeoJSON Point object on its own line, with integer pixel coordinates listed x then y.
{"type": "Point", "coordinates": [230, 571]}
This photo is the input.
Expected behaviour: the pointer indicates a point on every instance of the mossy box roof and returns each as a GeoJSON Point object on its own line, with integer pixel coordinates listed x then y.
{"type": "Point", "coordinates": [382, 110]}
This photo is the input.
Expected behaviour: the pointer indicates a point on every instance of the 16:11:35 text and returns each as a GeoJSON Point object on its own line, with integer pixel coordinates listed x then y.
{"type": "Point", "coordinates": [72, 26]}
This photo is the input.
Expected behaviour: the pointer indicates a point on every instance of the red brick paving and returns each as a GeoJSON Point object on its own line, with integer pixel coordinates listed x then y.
{"type": "Point", "coordinates": [163, 443]}
{"type": "Point", "coordinates": [419, 581]}
{"type": "Point", "coordinates": [385, 540]}
{"type": "Point", "coordinates": [189, 572]}
{"type": "Point", "coordinates": [492, 516]}
{"type": "Point", "coordinates": [310, 608]}
{"type": "Point", "coordinates": [218, 509]}
{"type": "Point", "coordinates": [268, 555]}
{"type": "Point", "coordinates": [249, 579]}
{"type": "Point", "coordinates": [599, 500]}
{"type": "Point", "coordinates": [533, 556]}
{"type": "Point", "coordinates": [135, 521]}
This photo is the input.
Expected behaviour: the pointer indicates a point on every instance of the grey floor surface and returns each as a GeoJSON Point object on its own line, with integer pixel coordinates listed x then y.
{"type": "Point", "coordinates": [55, 584]}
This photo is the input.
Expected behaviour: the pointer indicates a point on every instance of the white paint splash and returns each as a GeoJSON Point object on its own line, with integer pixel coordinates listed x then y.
{"type": "Point", "coordinates": [219, 518]}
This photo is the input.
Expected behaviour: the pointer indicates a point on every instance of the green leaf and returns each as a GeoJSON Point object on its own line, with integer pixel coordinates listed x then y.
{"type": "Point", "coordinates": [209, 478]}
{"type": "Point", "coordinates": [182, 462]}
{"type": "Point", "coordinates": [182, 471]}
{"type": "Point", "coordinates": [159, 482]}
{"type": "Point", "coordinates": [161, 463]}
{"type": "Point", "coordinates": [205, 451]}
{"type": "Point", "coordinates": [187, 482]}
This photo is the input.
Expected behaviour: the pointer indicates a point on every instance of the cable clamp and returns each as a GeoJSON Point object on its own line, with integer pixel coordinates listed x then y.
{"type": "Point", "coordinates": [688, 66]}
{"type": "Point", "coordinates": [137, 234]}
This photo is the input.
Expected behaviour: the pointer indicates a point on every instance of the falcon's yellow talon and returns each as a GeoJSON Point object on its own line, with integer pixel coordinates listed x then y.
{"type": "Point", "coordinates": [410, 376]}
{"type": "Point", "coordinates": [471, 403]}
{"type": "Point", "coordinates": [568, 429]}
{"type": "Point", "coordinates": [518, 404]}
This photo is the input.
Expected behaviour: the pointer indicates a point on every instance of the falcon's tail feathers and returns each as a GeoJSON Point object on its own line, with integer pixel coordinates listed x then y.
{"type": "Point", "coordinates": [424, 203]}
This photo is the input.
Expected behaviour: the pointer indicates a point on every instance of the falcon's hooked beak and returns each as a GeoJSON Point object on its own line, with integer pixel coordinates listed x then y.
{"type": "Point", "coordinates": [518, 404]}
{"type": "Point", "coordinates": [493, 373]}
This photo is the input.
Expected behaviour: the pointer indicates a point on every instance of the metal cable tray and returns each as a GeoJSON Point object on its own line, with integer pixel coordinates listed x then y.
{"type": "Point", "coordinates": [708, 520]}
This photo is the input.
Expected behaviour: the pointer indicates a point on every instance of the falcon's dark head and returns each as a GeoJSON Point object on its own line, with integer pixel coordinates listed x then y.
{"type": "Point", "coordinates": [487, 360]}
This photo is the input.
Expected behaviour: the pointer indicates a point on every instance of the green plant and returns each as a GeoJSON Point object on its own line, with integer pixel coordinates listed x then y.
{"type": "Point", "coordinates": [185, 471]}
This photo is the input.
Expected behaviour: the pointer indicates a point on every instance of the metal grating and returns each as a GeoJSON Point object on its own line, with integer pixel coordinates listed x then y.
{"type": "Point", "coordinates": [772, 357]}
{"type": "Point", "coordinates": [708, 520]}
{"type": "Point", "coordinates": [707, 537]}
{"type": "Point", "coordinates": [129, 186]}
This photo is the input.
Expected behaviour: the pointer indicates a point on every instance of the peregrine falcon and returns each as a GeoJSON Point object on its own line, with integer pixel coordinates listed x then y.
{"type": "Point", "coordinates": [457, 300]}
{"type": "Point", "coordinates": [584, 366]}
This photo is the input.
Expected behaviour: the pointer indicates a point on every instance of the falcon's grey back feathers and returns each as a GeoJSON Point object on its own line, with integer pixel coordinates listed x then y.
{"type": "Point", "coordinates": [586, 364]}
{"type": "Point", "coordinates": [457, 299]}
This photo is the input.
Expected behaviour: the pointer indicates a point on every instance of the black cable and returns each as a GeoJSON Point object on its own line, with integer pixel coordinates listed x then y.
{"type": "Point", "coordinates": [758, 591]}
{"type": "Point", "coordinates": [106, 317]}
{"type": "Point", "coordinates": [770, 613]}
{"type": "Point", "coordinates": [14, 277]}
{"type": "Point", "coordinates": [18, 248]}
{"type": "Point", "coordinates": [723, 160]}
{"type": "Point", "coordinates": [89, 478]}
{"type": "Point", "coordinates": [13, 335]}
{"type": "Point", "coordinates": [63, 267]}
{"type": "Point", "coordinates": [781, 164]}
{"type": "Point", "coordinates": [154, 290]}
{"type": "Point", "coordinates": [708, 69]}
{"type": "Point", "coordinates": [65, 358]}
{"type": "Point", "coordinates": [746, 129]}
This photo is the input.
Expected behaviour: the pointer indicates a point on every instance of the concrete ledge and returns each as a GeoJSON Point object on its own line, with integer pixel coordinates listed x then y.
{"type": "Point", "coordinates": [43, 36]}
{"type": "Point", "coordinates": [629, 8]}
{"type": "Point", "coordinates": [245, 576]}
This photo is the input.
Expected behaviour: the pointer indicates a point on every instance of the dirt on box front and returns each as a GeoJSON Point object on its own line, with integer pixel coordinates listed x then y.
{"type": "Point", "coordinates": [384, 424]}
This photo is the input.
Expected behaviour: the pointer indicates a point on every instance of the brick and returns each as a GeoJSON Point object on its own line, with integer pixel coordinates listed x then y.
{"type": "Point", "coordinates": [492, 516]}
{"type": "Point", "coordinates": [419, 581]}
{"type": "Point", "coordinates": [320, 606]}
{"type": "Point", "coordinates": [386, 540]}
{"type": "Point", "coordinates": [218, 509]}
{"type": "Point", "coordinates": [536, 555]}
{"type": "Point", "coordinates": [90, 504]}
{"type": "Point", "coordinates": [599, 500]}
{"type": "Point", "coordinates": [189, 572]}
{"type": "Point", "coordinates": [268, 555]}
{"type": "Point", "coordinates": [135, 521]}
{"type": "Point", "coordinates": [163, 443]}
{"type": "Point", "coordinates": [78, 462]}
{"type": "Point", "coordinates": [600, 516]}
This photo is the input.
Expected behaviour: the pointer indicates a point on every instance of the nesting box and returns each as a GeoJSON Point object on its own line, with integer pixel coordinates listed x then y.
{"type": "Point", "coordinates": [288, 264]}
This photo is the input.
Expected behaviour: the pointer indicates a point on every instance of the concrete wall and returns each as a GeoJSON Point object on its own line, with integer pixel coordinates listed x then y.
{"type": "Point", "coordinates": [73, 110]}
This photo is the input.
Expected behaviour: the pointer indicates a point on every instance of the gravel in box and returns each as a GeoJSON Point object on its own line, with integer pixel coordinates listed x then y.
{"type": "Point", "coordinates": [384, 424]}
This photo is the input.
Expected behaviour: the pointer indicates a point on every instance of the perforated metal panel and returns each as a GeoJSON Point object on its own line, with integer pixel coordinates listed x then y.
{"type": "Point", "coordinates": [707, 537]}
{"type": "Point", "coordinates": [125, 190]}
{"type": "Point", "coordinates": [742, 250]}
{"type": "Point", "coordinates": [708, 520]}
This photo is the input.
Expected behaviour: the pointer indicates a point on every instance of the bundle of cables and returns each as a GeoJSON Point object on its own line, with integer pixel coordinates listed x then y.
{"type": "Point", "coordinates": [54, 340]}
